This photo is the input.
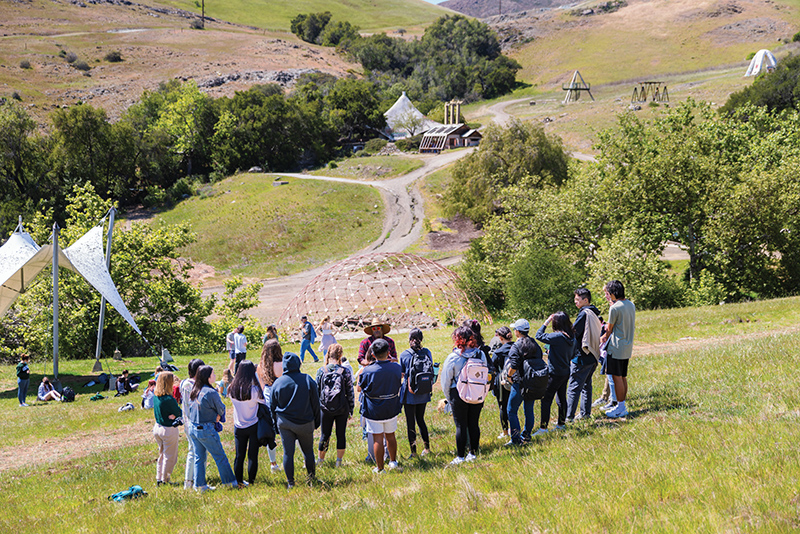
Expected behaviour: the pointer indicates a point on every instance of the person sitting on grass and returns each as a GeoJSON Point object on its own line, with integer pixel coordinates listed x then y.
{"type": "Point", "coordinates": [124, 385]}
{"type": "Point", "coordinates": [47, 392]}
{"type": "Point", "coordinates": [380, 383]}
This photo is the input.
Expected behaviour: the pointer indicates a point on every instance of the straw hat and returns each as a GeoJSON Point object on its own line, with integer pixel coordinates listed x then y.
{"type": "Point", "coordinates": [385, 328]}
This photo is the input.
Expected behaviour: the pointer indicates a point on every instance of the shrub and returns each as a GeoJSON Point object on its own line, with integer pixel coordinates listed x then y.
{"type": "Point", "coordinates": [62, 53]}
{"type": "Point", "coordinates": [81, 65]}
{"type": "Point", "coordinates": [332, 165]}
{"type": "Point", "coordinates": [156, 196]}
{"type": "Point", "coordinates": [71, 57]}
{"type": "Point", "coordinates": [25, 64]}
{"type": "Point", "coordinates": [114, 56]}
{"type": "Point", "coordinates": [705, 290]}
{"type": "Point", "coordinates": [197, 24]}
{"type": "Point", "coordinates": [409, 144]}
{"type": "Point", "coordinates": [374, 145]}
{"type": "Point", "coordinates": [16, 96]}
{"type": "Point", "coordinates": [796, 37]}
{"type": "Point", "coordinates": [540, 283]}
{"type": "Point", "coordinates": [750, 56]}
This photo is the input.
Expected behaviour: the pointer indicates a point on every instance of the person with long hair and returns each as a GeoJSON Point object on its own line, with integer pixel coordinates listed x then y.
{"type": "Point", "coordinates": [414, 404]}
{"type": "Point", "coordinates": [558, 357]}
{"type": "Point", "coordinates": [205, 410]}
{"type": "Point", "coordinates": [499, 356]}
{"type": "Point", "coordinates": [466, 416]}
{"type": "Point", "coordinates": [524, 348]}
{"type": "Point", "coordinates": [165, 431]}
{"type": "Point", "coordinates": [268, 370]}
{"type": "Point", "coordinates": [47, 392]}
{"type": "Point", "coordinates": [246, 394]}
{"type": "Point", "coordinates": [271, 333]}
{"type": "Point", "coordinates": [328, 331]}
{"type": "Point", "coordinates": [336, 409]}
{"type": "Point", "coordinates": [185, 390]}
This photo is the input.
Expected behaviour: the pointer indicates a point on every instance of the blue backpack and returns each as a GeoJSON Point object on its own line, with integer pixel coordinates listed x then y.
{"type": "Point", "coordinates": [134, 492]}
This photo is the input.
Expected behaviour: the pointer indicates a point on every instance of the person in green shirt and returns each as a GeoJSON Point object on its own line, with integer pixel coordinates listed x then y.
{"type": "Point", "coordinates": [23, 379]}
{"type": "Point", "coordinates": [168, 418]}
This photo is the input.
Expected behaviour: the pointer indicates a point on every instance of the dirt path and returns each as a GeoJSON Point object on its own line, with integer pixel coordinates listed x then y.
{"type": "Point", "coordinates": [401, 228]}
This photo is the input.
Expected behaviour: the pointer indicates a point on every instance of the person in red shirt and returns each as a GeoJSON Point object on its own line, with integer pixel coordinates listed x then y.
{"type": "Point", "coordinates": [376, 330]}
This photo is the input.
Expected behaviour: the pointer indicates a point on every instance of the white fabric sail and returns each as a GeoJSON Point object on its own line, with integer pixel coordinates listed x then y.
{"type": "Point", "coordinates": [87, 258]}
{"type": "Point", "coordinates": [20, 263]}
{"type": "Point", "coordinates": [763, 60]}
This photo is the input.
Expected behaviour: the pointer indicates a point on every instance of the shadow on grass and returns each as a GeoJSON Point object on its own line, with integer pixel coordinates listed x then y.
{"type": "Point", "coordinates": [75, 381]}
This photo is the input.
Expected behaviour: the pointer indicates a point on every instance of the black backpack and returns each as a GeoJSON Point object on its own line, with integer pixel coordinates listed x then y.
{"type": "Point", "coordinates": [68, 394]}
{"type": "Point", "coordinates": [332, 397]}
{"type": "Point", "coordinates": [535, 376]}
{"type": "Point", "coordinates": [420, 374]}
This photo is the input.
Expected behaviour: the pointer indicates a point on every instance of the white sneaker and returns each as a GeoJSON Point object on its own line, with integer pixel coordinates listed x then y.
{"type": "Point", "coordinates": [188, 484]}
{"type": "Point", "coordinates": [503, 436]}
{"type": "Point", "coordinates": [392, 466]}
{"type": "Point", "coordinates": [599, 402]}
{"type": "Point", "coordinates": [610, 406]}
{"type": "Point", "coordinates": [376, 470]}
{"type": "Point", "coordinates": [275, 468]}
{"type": "Point", "coordinates": [616, 413]}
{"type": "Point", "coordinates": [540, 432]}
{"type": "Point", "coordinates": [457, 460]}
{"type": "Point", "coordinates": [470, 457]}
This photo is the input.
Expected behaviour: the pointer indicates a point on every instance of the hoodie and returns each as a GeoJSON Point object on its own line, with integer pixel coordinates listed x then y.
{"type": "Point", "coordinates": [295, 397]}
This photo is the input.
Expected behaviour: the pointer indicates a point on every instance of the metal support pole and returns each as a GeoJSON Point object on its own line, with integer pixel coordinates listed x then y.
{"type": "Point", "coordinates": [55, 300]}
{"type": "Point", "coordinates": [98, 366]}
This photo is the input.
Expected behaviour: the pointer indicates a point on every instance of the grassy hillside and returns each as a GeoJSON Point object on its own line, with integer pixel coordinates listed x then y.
{"type": "Point", "coordinates": [369, 15]}
{"type": "Point", "coordinates": [710, 446]}
{"type": "Point", "coordinates": [647, 39]}
{"type": "Point", "coordinates": [246, 226]}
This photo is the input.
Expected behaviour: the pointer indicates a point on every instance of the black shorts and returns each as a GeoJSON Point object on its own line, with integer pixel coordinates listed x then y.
{"type": "Point", "coordinates": [615, 367]}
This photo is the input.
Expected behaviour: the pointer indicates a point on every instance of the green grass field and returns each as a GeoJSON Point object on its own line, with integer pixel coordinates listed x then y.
{"type": "Point", "coordinates": [710, 446]}
{"type": "Point", "coordinates": [371, 168]}
{"type": "Point", "coordinates": [251, 228]}
{"type": "Point", "coordinates": [370, 16]}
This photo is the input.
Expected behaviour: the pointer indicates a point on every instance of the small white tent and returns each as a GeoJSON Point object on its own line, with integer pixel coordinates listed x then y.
{"type": "Point", "coordinates": [763, 60]}
{"type": "Point", "coordinates": [403, 118]}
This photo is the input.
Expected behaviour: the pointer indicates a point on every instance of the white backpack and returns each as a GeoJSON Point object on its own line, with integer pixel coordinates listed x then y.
{"type": "Point", "coordinates": [473, 381]}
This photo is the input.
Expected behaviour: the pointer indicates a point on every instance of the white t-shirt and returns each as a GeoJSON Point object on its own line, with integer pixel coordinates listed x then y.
{"type": "Point", "coordinates": [245, 413]}
{"type": "Point", "coordinates": [239, 343]}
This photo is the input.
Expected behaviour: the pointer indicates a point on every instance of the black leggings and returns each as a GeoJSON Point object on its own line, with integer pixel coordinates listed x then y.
{"type": "Point", "coordinates": [556, 385]}
{"type": "Point", "coordinates": [246, 439]}
{"type": "Point", "coordinates": [416, 413]}
{"type": "Point", "coordinates": [466, 417]}
{"type": "Point", "coordinates": [327, 428]}
{"type": "Point", "coordinates": [502, 402]}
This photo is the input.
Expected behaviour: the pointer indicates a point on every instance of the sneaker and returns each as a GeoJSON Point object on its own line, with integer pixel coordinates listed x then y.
{"type": "Point", "coordinates": [376, 470]}
{"type": "Point", "coordinates": [580, 416]}
{"type": "Point", "coordinates": [470, 457]}
{"type": "Point", "coordinates": [159, 482]}
{"type": "Point", "coordinates": [540, 432]}
{"type": "Point", "coordinates": [338, 462]}
{"type": "Point", "coordinates": [319, 461]}
{"type": "Point", "coordinates": [599, 402]}
{"type": "Point", "coordinates": [23, 405]}
{"type": "Point", "coordinates": [560, 427]}
{"type": "Point", "coordinates": [188, 484]}
{"type": "Point", "coordinates": [526, 439]}
{"type": "Point", "coordinates": [610, 406]}
{"type": "Point", "coordinates": [289, 485]}
{"type": "Point", "coordinates": [503, 436]}
{"type": "Point", "coordinates": [412, 455]}
{"type": "Point", "coordinates": [244, 484]}
{"type": "Point", "coordinates": [203, 489]}
{"type": "Point", "coordinates": [570, 420]}
{"type": "Point", "coordinates": [457, 460]}
{"type": "Point", "coordinates": [425, 452]}
{"type": "Point", "coordinates": [394, 466]}
{"type": "Point", "coordinates": [617, 413]}
{"type": "Point", "coordinates": [513, 443]}
{"type": "Point", "coordinates": [275, 468]}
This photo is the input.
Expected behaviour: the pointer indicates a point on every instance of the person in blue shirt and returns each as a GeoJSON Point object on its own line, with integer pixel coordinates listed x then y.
{"type": "Point", "coordinates": [414, 404]}
{"type": "Point", "coordinates": [558, 357]}
{"type": "Point", "coordinates": [380, 382]}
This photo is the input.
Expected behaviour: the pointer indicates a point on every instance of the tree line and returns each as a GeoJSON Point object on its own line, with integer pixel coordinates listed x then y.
{"type": "Point", "coordinates": [722, 185]}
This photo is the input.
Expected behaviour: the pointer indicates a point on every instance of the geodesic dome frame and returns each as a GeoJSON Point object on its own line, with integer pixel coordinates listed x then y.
{"type": "Point", "coordinates": [404, 290]}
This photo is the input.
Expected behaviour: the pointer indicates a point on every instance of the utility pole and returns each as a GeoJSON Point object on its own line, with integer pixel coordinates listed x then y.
{"type": "Point", "coordinates": [203, 13]}
{"type": "Point", "coordinates": [97, 365]}
{"type": "Point", "coordinates": [55, 302]}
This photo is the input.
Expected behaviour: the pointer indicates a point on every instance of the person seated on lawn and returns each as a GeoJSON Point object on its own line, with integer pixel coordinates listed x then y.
{"type": "Point", "coordinates": [124, 385]}
{"type": "Point", "coordinates": [47, 392]}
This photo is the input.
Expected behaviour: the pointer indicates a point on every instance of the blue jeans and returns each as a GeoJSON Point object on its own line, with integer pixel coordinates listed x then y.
{"type": "Point", "coordinates": [206, 440]}
{"type": "Point", "coordinates": [306, 346]}
{"type": "Point", "coordinates": [22, 386]}
{"type": "Point", "coordinates": [580, 381]}
{"type": "Point", "coordinates": [514, 401]}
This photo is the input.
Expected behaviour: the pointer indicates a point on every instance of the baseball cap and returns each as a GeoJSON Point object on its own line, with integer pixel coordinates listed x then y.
{"type": "Point", "coordinates": [521, 325]}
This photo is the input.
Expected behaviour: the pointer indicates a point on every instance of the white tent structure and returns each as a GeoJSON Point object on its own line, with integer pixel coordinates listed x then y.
{"type": "Point", "coordinates": [404, 119]}
{"type": "Point", "coordinates": [762, 61]}
{"type": "Point", "coordinates": [21, 260]}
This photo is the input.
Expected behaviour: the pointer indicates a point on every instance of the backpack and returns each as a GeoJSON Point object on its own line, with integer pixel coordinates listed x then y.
{"type": "Point", "coordinates": [312, 334]}
{"type": "Point", "coordinates": [420, 374]}
{"type": "Point", "coordinates": [68, 394]}
{"type": "Point", "coordinates": [534, 379]}
{"type": "Point", "coordinates": [473, 381]}
{"type": "Point", "coordinates": [332, 397]}
{"type": "Point", "coordinates": [134, 492]}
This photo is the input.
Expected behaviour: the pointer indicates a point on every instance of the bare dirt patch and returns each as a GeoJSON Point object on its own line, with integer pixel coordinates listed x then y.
{"type": "Point", "coordinates": [460, 232]}
{"type": "Point", "coordinates": [52, 450]}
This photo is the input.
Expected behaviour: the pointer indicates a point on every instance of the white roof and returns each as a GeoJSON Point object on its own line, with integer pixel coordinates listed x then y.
{"type": "Point", "coordinates": [761, 61]}
{"type": "Point", "coordinates": [402, 109]}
